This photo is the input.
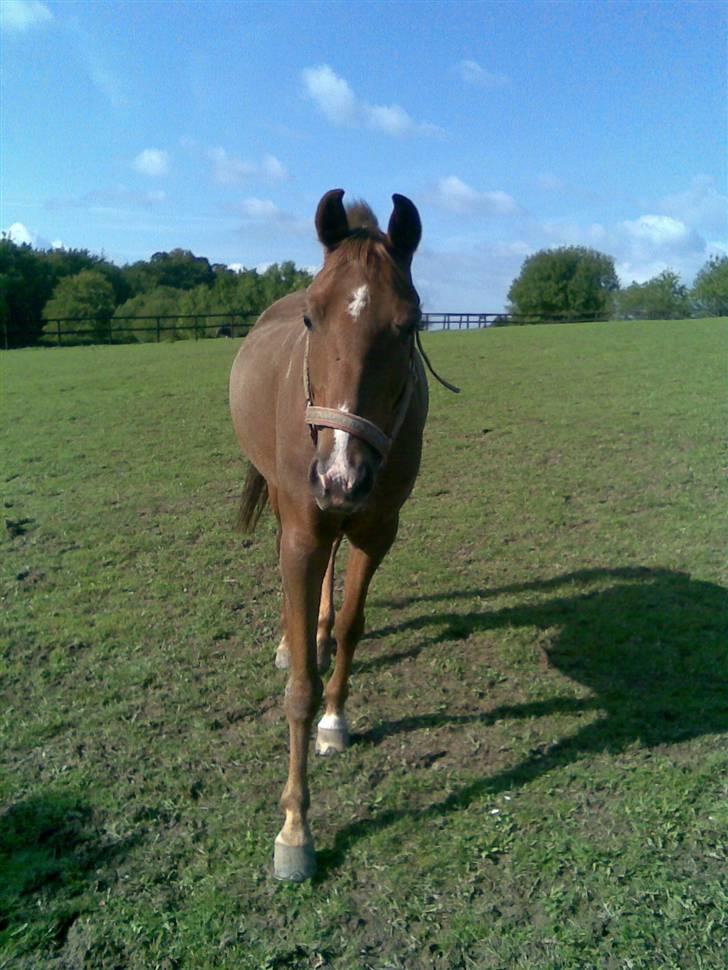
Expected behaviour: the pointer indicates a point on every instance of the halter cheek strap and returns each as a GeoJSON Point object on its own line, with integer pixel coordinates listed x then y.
{"type": "Point", "coordinates": [317, 417]}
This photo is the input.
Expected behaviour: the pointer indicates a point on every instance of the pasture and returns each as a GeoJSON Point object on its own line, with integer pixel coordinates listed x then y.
{"type": "Point", "coordinates": [538, 774]}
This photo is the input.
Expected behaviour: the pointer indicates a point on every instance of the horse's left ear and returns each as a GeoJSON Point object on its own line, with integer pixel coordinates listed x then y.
{"type": "Point", "coordinates": [405, 228]}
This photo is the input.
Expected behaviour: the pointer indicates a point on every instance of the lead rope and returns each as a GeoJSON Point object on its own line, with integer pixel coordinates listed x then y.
{"type": "Point", "coordinates": [431, 369]}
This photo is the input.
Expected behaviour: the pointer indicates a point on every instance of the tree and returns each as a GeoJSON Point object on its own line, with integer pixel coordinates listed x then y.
{"type": "Point", "coordinates": [710, 290]}
{"type": "Point", "coordinates": [163, 301]}
{"type": "Point", "coordinates": [84, 303]}
{"type": "Point", "coordinates": [572, 282]}
{"type": "Point", "coordinates": [26, 282]}
{"type": "Point", "coordinates": [179, 268]}
{"type": "Point", "coordinates": [662, 298]}
{"type": "Point", "coordinates": [28, 278]}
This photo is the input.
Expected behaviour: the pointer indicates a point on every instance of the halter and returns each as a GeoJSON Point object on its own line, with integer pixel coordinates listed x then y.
{"type": "Point", "coordinates": [317, 417]}
{"type": "Point", "coordinates": [363, 428]}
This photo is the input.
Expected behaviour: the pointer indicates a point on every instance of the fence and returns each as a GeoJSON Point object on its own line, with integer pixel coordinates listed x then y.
{"type": "Point", "coordinates": [147, 329]}
{"type": "Point", "coordinates": [198, 326]}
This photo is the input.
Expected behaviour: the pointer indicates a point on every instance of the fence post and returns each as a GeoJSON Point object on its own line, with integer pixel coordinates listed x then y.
{"type": "Point", "coordinates": [58, 331]}
{"type": "Point", "coordinates": [158, 326]}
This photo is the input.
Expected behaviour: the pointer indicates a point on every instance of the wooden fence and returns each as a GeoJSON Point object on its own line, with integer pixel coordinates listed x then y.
{"type": "Point", "coordinates": [146, 329]}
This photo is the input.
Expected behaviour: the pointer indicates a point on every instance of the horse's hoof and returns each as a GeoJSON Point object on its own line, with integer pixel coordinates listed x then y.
{"type": "Point", "coordinates": [293, 863]}
{"type": "Point", "coordinates": [332, 736]}
{"type": "Point", "coordinates": [283, 657]}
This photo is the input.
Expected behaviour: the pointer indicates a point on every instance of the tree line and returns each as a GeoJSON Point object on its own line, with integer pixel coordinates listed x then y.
{"type": "Point", "coordinates": [577, 283]}
{"type": "Point", "coordinates": [93, 296]}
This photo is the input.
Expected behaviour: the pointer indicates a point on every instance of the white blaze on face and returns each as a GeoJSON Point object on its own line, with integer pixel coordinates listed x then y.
{"type": "Point", "coordinates": [359, 299]}
{"type": "Point", "coordinates": [339, 467]}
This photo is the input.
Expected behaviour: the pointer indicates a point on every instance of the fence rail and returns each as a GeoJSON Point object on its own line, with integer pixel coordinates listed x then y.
{"type": "Point", "coordinates": [158, 327]}
{"type": "Point", "coordinates": [155, 328]}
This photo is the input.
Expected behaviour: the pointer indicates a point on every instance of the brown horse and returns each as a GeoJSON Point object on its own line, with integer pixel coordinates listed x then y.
{"type": "Point", "coordinates": [329, 398]}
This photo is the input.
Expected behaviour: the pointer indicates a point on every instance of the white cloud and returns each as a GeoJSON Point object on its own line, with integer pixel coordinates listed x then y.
{"type": "Point", "coordinates": [117, 198]}
{"type": "Point", "coordinates": [337, 102]}
{"type": "Point", "coordinates": [641, 248]}
{"type": "Point", "coordinates": [152, 161]}
{"type": "Point", "coordinates": [230, 170]}
{"type": "Point", "coordinates": [261, 210]}
{"type": "Point", "coordinates": [469, 278]}
{"type": "Point", "coordinates": [645, 246]}
{"type": "Point", "coordinates": [21, 15]}
{"type": "Point", "coordinates": [21, 236]}
{"type": "Point", "coordinates": [273, 168]}
{"type": "Point", "coordinates": [464, 274]}
{"type": "Point", "coordinates": [332, 95]}
{"type": "Point", "coordinates": [393, 120]}
{"type": "Point", "coordinates": [701, 206]}
{"type": "Point", "coordinates": [657, 230]}
{"type": "Point", "coordinates": [457, 196]}
{"type": "Point", "coordinates": [472, 73]}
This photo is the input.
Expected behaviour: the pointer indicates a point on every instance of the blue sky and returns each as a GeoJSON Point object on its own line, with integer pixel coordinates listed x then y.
{"type": "Point", "coordinates": [133, 127]}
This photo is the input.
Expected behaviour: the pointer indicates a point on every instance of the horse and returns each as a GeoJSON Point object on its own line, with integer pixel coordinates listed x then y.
{"type": "Point", "coordinates": [328, 398]}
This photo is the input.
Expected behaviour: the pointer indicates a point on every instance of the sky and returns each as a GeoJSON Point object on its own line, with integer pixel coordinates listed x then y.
{"type": "Point", "coordinates": [129, 128]}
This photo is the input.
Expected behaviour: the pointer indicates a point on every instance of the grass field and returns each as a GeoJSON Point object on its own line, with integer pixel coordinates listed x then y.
{"type": "Point", "coordinates": [538, 775]}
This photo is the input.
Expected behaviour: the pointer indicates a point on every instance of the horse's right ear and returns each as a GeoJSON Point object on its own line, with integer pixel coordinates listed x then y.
{"type": "Point", "coordinates": [332, 225]}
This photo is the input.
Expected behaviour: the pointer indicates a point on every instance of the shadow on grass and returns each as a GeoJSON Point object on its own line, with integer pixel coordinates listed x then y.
{"type": "Point", "coordinates": [652, 648]}
{"type": "Point", "coordinates": [51, 854]}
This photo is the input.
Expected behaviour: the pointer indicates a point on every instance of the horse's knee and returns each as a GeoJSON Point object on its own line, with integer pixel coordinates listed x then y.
{"type": "Point", "coordinates": [303, 696]}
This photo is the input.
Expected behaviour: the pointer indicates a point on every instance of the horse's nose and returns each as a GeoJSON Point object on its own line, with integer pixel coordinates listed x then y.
{"type": "Point", "coordinates": [339, 488]}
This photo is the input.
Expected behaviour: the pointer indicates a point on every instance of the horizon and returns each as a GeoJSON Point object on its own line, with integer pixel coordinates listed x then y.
{"type": "Point", "coordinates": [130, 129]}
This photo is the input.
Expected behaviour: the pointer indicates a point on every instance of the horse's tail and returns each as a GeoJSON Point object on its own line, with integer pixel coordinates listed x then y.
{"type": "Point", "coordinates": [253, 500]}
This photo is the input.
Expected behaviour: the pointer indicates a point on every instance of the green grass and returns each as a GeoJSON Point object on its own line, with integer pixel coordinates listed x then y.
{"type": "Point", "coordinates": [538, 778]}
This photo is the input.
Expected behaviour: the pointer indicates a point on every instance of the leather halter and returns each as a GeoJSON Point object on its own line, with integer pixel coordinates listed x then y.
{"type": "Point", "coordinates": [317, 417]}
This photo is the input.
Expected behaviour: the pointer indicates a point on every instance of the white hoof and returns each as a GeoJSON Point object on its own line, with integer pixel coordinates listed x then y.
{"type": "Point", "coordinates": [293, 863]}
{"type": "Point", "coordinates": [332, 736]}
{"type": "Point", "coordinates": [283, 656]}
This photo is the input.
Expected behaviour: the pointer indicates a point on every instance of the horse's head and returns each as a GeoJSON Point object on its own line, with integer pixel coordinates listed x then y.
{"type": "Point", "coordinates": [361, 313]}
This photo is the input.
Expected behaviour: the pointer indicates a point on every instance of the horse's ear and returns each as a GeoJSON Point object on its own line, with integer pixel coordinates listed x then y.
{"type": "Point", "coordinates": [405, 228]}
{"type": "Point", "coordinates": [332, 225]}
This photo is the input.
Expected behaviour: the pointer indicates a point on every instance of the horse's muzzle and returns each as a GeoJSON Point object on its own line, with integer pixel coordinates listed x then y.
{"type": "Point", "coordinates": [341, 490]}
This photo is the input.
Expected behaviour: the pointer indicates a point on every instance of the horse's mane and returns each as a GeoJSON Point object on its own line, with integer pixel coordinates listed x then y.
{"type": "Point", "coordinates": [366, 244]}
{"type": "Point", "coordinates": [360, 216]}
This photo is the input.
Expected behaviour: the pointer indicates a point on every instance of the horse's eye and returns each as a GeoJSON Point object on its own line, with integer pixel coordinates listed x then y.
{"type": "Point", "coordinates": [307, 322]}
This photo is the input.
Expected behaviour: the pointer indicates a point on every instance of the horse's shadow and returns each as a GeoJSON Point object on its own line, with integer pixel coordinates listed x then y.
{"type": "Point", "coordinates": [650, 644]}
{"type": "Point", "coordinates": [51, 852]}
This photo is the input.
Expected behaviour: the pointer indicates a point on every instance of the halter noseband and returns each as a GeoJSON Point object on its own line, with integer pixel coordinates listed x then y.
{"type": "Point", "coordinates": [363, 428]}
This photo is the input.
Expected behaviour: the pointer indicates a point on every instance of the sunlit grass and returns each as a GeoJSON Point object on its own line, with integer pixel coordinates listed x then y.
{"type": "Point", "coordinates": [539, 709]}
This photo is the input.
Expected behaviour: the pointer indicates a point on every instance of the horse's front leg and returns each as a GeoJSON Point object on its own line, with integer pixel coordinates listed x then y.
{"type": "Point", "coordinates": [304, 559]}
{"type": "Point", "coordinates": [325, 643]}
{"type": "Point", "coordinates": [367, 551]}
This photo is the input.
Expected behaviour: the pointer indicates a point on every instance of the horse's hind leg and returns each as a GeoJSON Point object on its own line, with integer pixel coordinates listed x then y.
{"type": "Point", "coordinates": [325, 643]}
{"type": "Point", "coordinates": [282, 657]}
{"type": "Point", "coordinates": [365, 555]}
